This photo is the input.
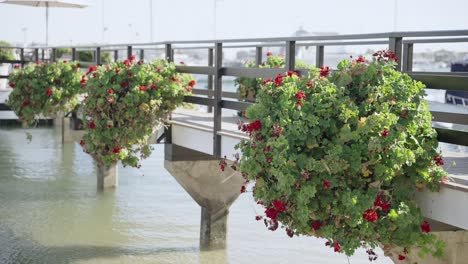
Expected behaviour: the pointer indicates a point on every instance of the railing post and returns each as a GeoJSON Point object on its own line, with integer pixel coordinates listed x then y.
{"type": "Point", "coordinates": [53, 55]}
{"type": "Point", "coordinates": [129, 52]}
{"type": "Point", "coordinates": [408, 57]}
{"type": "Point", "coordinates": [116, 55]}
{"type": "Point", "coordinates": [394, 44]}
{"type": "Point", "coordinates": [169, 53]}
{"type": "Point", "coordinates": [290, 55]}
{"type": "Point", "coordinates": [218, 96]}
{"type": "Point", "coordinates": [43, 54]}
{"type": "Point", "coordinates": [142, 54]}
{"type": "Point", "coordinates": [73, 54]}
{"type": "Point", "coordinates": [258, 56]}
{"type": "Point", "coordinates": [319, 55]}
{"type": "Point", "coordinates": [22, 57]}
{"type": "Point", "coordinates": [210, 77]}
{"type": "Point", "coordinates": [36, 54]}
{"type": "Point", "coordinates": [98, 55]}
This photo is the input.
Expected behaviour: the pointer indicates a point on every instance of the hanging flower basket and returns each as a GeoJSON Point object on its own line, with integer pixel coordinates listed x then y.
{"type": "Point", "coordinates": [127, 101]}
{"type": "Point", "coordinates": [44, 89]}
{"type": "Point", "coordinates": [339, 156]}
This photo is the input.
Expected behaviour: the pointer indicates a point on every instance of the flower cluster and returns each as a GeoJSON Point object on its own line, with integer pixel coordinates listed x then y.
{"type": "Point", "coordinates": [345, 163]}
{"type": "Point", "coordinates": [44, 89]}
{"type": "Point", "coordinates": [127, 100]}
{"type": "Point", "coordinates": [248, 87]}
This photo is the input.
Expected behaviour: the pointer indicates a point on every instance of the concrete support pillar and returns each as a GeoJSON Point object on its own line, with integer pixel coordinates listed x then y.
{"type": "Point", "coordinates": [213, 228]}
{"type": "Point", "coordinates": [213, 190]}
{"type": "Point", "coordinates": [456, 250]}
{"type": "Point", "coordinates": [107, 176]}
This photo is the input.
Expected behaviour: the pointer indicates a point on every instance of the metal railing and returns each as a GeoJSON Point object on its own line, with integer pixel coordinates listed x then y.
{"type": "Point", "coordinates": [402, 43]}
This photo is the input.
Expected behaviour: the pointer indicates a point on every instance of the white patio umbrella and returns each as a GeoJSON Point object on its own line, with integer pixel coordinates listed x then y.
{"type": "Point", "coordinates": [47, 4]}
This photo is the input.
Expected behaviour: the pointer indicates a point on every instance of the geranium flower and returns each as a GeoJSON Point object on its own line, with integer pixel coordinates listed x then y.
{"type": "Point", "coordinates": [324, 71]}
{"type": "Point", "coordinates": [439, 161]}
{"type": "Point", "coordinates": [271, 213]}
{"type": "Point", "coordinates": [49, 92]}
{"type": "Point", "coordinates": [401, 257]}
{"type": "Point", "coordinates": [12, 85]}
{"type": "Point", "coordinates": [26, 103]}
{"type": "Point", "coordinates": [279, 80]}
{"type": "Point", "coordinates": [91, 125]}
{"type": "Point", "coordinates": [425, 227]}
{"type": "Point", "coordinates": [370, 215]}
{"type": "Point", "coordinates": [192, 83]}
{"type": "Point", "coordinates": [269, 54]}
{"type": "Point", "coordinates": [143, 88]}
{"type": "Point", "coordinates": [326, 184]}
{"type": "Point", "coordinates": [16, 66]}
{"type": "Point", "coordinates": [337, 246]}
{"type": "Point", "coordinates": [116, 150]}
{"type": "Point", "coordinates": [380, 202]}
{"type": "Point", "coordinates": [279, 205]}
{"type": "Point", "coordinates": [385, 133]}
{"type": "Point", "coordinates": [316, 225]}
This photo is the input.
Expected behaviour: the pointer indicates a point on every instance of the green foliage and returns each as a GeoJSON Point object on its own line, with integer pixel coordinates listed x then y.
{"type": "Point", "coordinates": [62, 51]}
{"type": "Point", "coordinates": [248, 87]}
{"type": "Point", "coordinates": [44, 89]}
{"type": "Point", "coordinates": [87, 56]}
{"type": "Point", "coordinates": [332, 148]}
{"type": "Point", "coordinates": [126, 103]}
{"type": "Point", "coordinates": [6, 53]}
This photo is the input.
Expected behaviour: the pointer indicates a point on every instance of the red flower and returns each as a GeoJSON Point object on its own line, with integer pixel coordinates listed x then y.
{"type": "Point", "coordinates": [182, 63]}
{"type": "Point", "coordinates": [153, 86]}
{"type": "Point", "coordinates": [16, 66]}
{"type": "Point", "coordinates": [143, 88]}
{"type": "Point", "coordinates": [127, 63]}
{"type": "Point", "coordinates": [279, 205]}
{"type": "Point", "coordinates": [26, 103]}
{"type": "Point", "coordinates": [316, 225]}
{"type": "Point", "coordinates": [326, 184]}
{"type": "Point", "coordinates": [324, 71]}
{"type": "Point", "coordinates": [12, 85]}
{"type": "Point", "coordinates": [258, 218]}
{"type": "Point", "coordinates": [117, 71]}
{"type": "Point", "coordinates": [370, 215]}
{"type": "Point", "coordinates": [116, 150]}
{"type": "Point", "coordinates": [271, 213]}
{"type": "Point", "coordinates": [279, 80]}
{"type": "Point", "coordinates": [82, 142]}
{"type": "Point", "coordinates": [91, 125]}
{"type": "Point", "coordinates": [337, 246]}
{"type": "Point", "coordinates": [268, 160]}
{"type": "Point", "coordinates": [401, 257]}
{"type": "Point", "coordinates": [38, 62]}
{"type": "Point", "coordinates": [130, 74]}
{"type": "Point", "coordinates": [65, 61]}
{"type": "Point", "coordinates": [255, 126]}
{"type": "Point", "coordinates": [310, 83]}
{"type": "Point", "coordinates": [384, 133]}
{"type": "Point", "coordinates": [49, 92]}
{"type": "Point", "coordinates": [267, 81]}
{"type": "Point", "coordinates": [132, 57]}
{"type": "Point", "coordinates": [242, 190]}
{"type": "Point", "coordinates": [328, 243]}
{"type": "Point", "coordinates": [158, 69]}
{"type": "Point", "coordinates": [380, 202]}
{"type": "Point", "coordinates": [91, 69]}
{"type": "Point", "coordinates": [110, 91]}
{"type": "Point", "coordinates": [269, 53]}
{"type": "Point", "coordinates": [140, 62]}
{"type": "Point", "coordinates": [95, 75]}
{"type": "Point", "coordinates": [292, 73]}
{"type": "Point", "coordinates": [438, 160]}
{"type": "Point", "coordinates": [300, 95]}
{"type": "Point", "coordinates": [425, 227]}
{"type": "Point", "coordinates": [192, 83]}
{"type": "Point", "coordinates": [123, 84]}
{"type": "Point", "coordinates": [361, 59]}
{"type": "Point", "coordinates": [289, 232]}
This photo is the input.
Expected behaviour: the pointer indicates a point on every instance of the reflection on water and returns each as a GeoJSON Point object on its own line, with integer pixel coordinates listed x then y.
{"type": "Point", "coordinates": [50, 212]}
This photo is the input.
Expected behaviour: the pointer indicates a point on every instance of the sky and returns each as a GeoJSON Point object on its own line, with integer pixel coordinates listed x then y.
{"type": "Point", "coordinates": [128, 21]}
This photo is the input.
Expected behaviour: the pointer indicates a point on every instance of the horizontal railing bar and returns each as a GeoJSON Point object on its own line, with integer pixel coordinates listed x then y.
{"type": "Point", "coordinates": [12, 61]}
{"type": "Point", "coordinates": [253, 72]}
{"type": "Point", "coordinates": [232, 95]}
{"type": "Point", "coordinates": [435, 40]}
{"type": "Point", "coordinates": [4, 107]}
{"type": "Point", "coordinates": [452, 136]}
{"type": "Point", "coordinates": [447, 117]}
{"type": "Point", "coordinates": [437, 73]}
{"type": "Point", "coordinates": [235, 105]}
{"type": "Point", "coordinates": [442, 81]}
{"type": "Point", "coordinates": [196, 69]}
{"type": "Point", "coordinates": [407, 34]}
{"type": "Point", "coordinates": [199, 100]}
{"type": "Point", "coordinates": [4, 76]}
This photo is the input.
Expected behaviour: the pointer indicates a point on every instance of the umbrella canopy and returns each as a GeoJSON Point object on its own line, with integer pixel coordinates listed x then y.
{"type": "Point", "coordinates": [47, 4]}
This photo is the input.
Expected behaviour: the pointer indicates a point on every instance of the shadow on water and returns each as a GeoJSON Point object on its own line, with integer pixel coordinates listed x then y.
{"type": "Point", "coordinates": [15, 249]}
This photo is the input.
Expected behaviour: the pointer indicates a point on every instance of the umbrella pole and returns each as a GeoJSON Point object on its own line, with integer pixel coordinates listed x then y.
{"type": "Point", "coordinates": [47, 25]}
